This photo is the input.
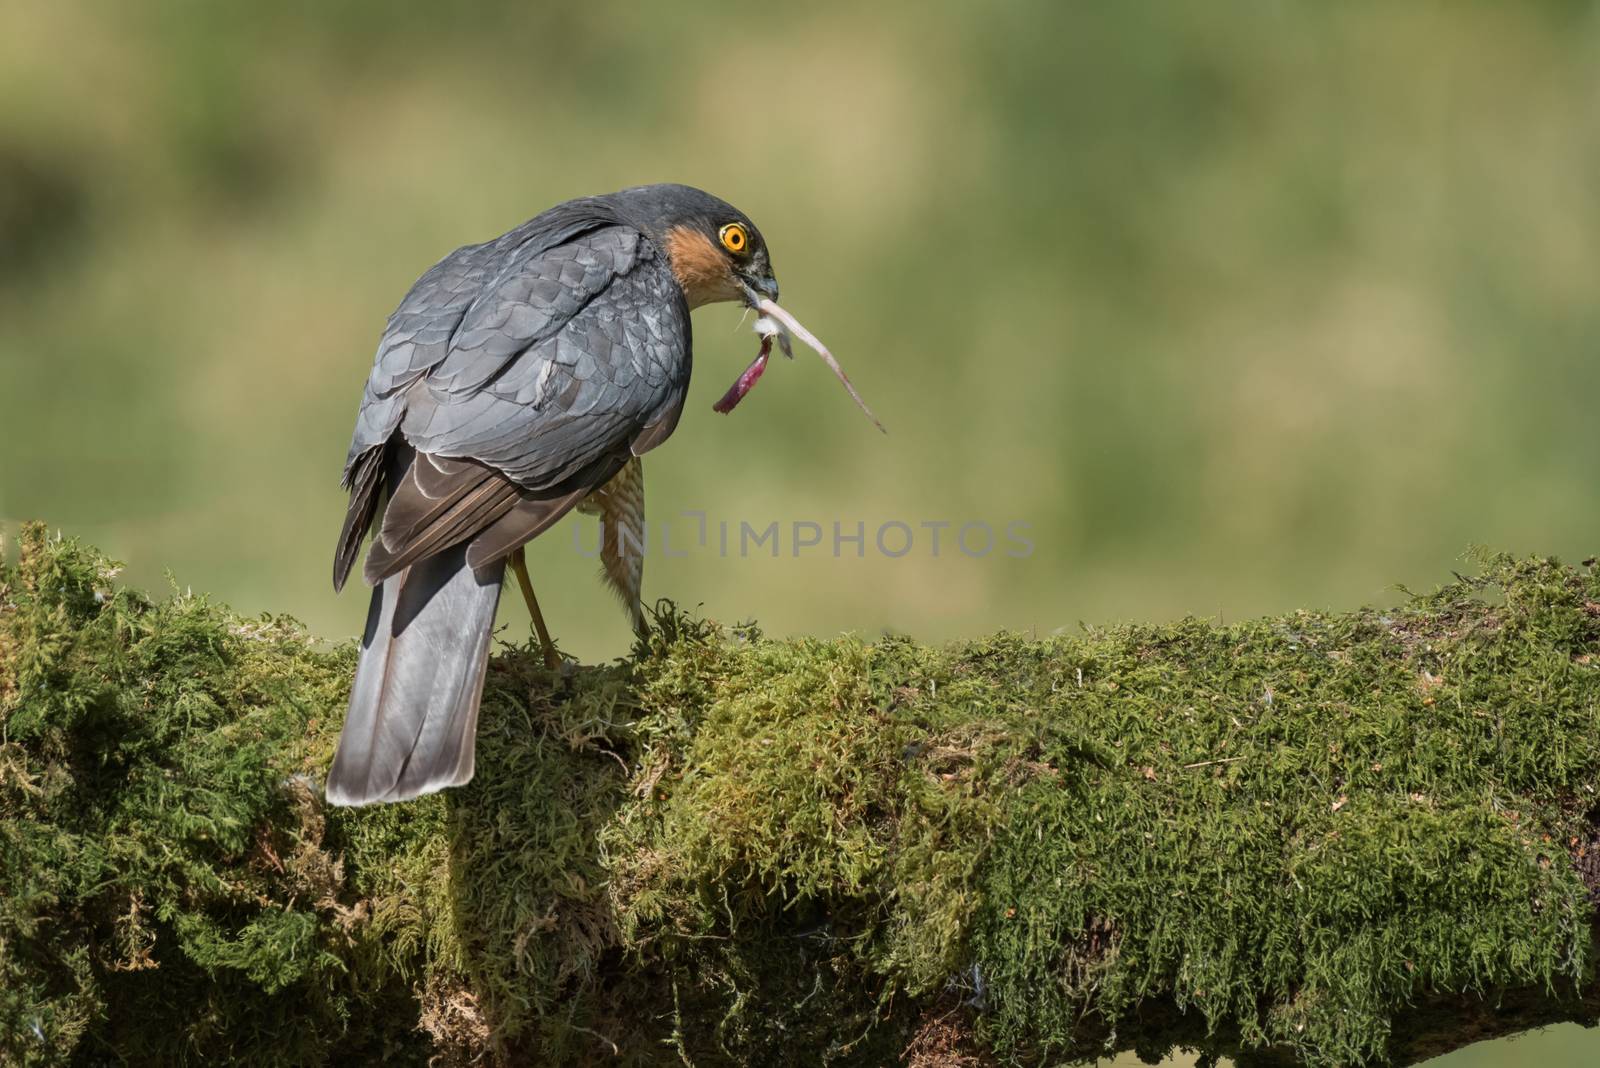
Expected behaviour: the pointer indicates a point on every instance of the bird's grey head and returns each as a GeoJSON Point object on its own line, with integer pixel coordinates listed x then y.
{"type": "Point", "coordinates": [716, 252]}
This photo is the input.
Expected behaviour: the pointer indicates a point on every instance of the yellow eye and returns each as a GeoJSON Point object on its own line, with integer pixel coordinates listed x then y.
{"type": "Point", "coordinates": [734, 239]}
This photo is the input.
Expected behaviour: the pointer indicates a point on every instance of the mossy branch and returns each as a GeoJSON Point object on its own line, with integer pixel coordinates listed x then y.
{"type": "Point", "coordinates": [1323, 839]}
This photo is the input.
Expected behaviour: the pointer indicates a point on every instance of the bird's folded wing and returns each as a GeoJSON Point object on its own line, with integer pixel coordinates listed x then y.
{"type": "Point", "coordinates": [560, 369]}
{"type": "Point", "coordinates": [567, 399]}
{"type": "Point", "coordinates": [436, 503]}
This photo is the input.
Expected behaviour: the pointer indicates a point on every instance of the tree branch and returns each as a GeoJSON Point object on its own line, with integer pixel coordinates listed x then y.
{"type": "Point", "coordinates": [1316, 839]}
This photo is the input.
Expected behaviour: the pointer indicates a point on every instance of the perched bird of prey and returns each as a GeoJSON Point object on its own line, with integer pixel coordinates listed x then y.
{"type": "Point", "coordinates": [518, 379]}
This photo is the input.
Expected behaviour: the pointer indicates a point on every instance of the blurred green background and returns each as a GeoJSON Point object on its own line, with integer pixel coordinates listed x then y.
{"type": "Point", "coordinates": [1238, 311]}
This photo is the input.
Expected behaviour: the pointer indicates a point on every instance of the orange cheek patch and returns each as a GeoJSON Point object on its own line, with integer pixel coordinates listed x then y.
{"type": "Point", "coordinates": [700, 267]}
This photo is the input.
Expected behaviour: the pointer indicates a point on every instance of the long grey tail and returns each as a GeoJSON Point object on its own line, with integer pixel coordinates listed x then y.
{"type": "Point", "coordinates": [414, 707]}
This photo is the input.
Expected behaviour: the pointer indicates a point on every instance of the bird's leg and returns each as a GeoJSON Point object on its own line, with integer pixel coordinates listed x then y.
{"type": "Point", "coordinates": [519, 564]}
{"type": "Point", "coordinates": [620, 505]}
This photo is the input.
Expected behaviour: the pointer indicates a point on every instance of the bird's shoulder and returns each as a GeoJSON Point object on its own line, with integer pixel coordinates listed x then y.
{"type": "Point", "coordinates": [514, 288]}
{"type": "Point", "coordinates": [603, 306]}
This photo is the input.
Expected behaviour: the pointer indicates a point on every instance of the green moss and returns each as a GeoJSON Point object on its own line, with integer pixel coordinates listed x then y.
{"type": "Point", "coordinates": [1271, 838]}
{"type": "Point", "coordinates": [1314, 819]}
{"type": "Point", "coordinates": [163, 894]}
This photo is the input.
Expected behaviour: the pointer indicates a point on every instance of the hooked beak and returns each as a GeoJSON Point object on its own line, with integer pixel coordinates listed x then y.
{"type": "Point", "coordinates": [766, 285]}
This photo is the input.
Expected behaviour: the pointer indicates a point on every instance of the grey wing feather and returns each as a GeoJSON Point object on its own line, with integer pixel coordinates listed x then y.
{"type": "Point", "coordinates": [542, 364]}
{"type": "Point", "coordinates": [527, 276]}
{"type": "Point", "coordinates": [562, 398]}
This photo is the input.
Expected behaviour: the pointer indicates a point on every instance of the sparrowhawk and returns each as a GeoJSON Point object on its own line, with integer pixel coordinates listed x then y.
{"type": "Point", "coordinates": [518, 379]}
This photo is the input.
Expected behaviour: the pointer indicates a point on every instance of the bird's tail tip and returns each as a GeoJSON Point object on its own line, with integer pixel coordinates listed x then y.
{"type": "Point", "coordinates": [414, 703]}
